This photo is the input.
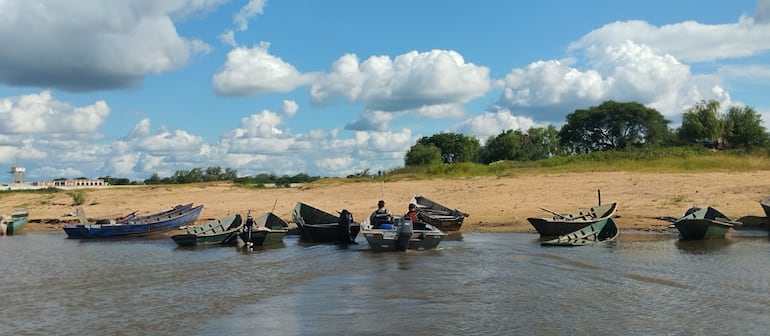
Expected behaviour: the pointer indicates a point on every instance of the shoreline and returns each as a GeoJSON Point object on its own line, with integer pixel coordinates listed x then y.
{"type": "Point", "coordinates": [495, 204]}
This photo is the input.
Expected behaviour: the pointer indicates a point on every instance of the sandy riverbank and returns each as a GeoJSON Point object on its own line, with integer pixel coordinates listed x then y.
{"type": "Point", "coordinates": [495, 204]}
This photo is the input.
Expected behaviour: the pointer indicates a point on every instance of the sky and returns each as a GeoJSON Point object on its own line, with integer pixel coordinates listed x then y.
{"type": "Point", "coordinates": [131, 88]}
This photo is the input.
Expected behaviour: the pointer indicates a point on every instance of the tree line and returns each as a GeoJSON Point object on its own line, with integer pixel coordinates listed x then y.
{"type": "Point", "coordinates": [212, 174]}
{"type": "Point", "coordinates": [608, 126]}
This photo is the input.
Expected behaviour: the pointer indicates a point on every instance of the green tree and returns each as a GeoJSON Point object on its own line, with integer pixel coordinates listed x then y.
{"type": "Point", "coordinates": [115, 180]}
{"type": "Point", "coordinates": [504, 146]}
{"type": "Point", "coordinates": [454, 147]}
{"type": "Point", "coordinates": [744, 128]}
{"type": "Point", "coordinates": [420, 154]}
{"type": "Point", "coordinates": [212, 174]}
{"type": "Point", "coordinates": [538, 143]}
{"type": "Point", "coordinates": [230, 174]}
{"type": "Point", "coordinates": [701, 122]}
{"type": "Point", "coordinates": [544, 142]}
{"type": "Point", "coordinates": [613, 125]}
{"type": "Point", "coordinates": [154, 179]}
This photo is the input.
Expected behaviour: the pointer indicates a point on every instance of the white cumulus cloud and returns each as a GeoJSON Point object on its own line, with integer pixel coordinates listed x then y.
{"type": "Point", "coordinates": [431, 84]}
{"type": "Point", "coordinates": [688, 41]}
{"type": "Point", "coordinates": [494, 123]}
{"type": "Point", "coordinates": [68, 45]}
{"type": "Point", "coordinates": [253, 71]}
{"type": "Point", "coordinates": [49, 118]}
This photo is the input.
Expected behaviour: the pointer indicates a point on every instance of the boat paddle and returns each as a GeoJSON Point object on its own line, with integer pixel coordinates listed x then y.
{"type": "Point", "coordinates": [555, 213]}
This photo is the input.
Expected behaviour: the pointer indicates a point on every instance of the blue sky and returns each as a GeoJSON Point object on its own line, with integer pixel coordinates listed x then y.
{"type": "Point", "coordinates": [330, 88]}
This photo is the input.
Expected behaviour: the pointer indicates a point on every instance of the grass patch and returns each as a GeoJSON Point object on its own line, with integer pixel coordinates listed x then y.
{"type": "Point", "coordinates": [663, 160]}
{"type": "Point", "coordinates": [78, 197]}
{"type": "Point", "coordinates": [49, 190]}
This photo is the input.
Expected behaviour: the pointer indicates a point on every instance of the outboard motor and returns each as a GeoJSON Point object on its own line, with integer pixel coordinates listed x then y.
{"type": "Point", "coordinates": [344, 225]}
{"type": "Point", "coordinates": [405, 230]}
{"type": "Point", "coordinates": [249, 225]}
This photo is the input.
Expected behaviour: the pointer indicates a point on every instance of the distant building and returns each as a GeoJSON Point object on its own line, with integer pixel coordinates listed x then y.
{"type": "Point", "coordinates": [18, 182]}
{"type": "Point", "coordinates": [78, 183]}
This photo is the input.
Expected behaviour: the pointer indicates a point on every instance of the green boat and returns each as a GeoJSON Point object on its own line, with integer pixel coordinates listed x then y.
{"type": "Point", "coordinates": [10, 224]}
{"type": "Point", "coordinates": [599, 231]}
{"type": "Point", "coordinates": [264, 230]}
{"type": "Point", "coordinates": [221, 231]}
{"type": "Point", "coordinates": [703, 223]}
{"type": "Point", "coordinates": [564, 224]}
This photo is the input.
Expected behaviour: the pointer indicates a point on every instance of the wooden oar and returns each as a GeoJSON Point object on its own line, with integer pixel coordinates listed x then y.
{"type": "Point", "coordinates": [555, 213]}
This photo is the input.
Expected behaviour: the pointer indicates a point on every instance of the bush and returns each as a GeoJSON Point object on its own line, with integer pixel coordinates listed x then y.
{"type": "Point", "coordinates": [78, 197]}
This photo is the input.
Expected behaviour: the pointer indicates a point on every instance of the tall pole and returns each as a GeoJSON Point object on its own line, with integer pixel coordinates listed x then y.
{"type": "Point", "coordinates": [599, 194]}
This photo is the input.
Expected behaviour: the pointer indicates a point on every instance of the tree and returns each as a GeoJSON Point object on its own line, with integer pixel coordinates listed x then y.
{"type": "Point", "coordinates": [454, 147]}
{"type": "Point", "coordinates": [613, 125]}
{"type": "Point", "coordinates": [538, 143]}
{"type": "Point", "coordinates": [744, 128]}
{"type": "Point", "coordinates": [212, 174]}
{"type": "Point", "coordinates": [115, 180]}
{"type": "Point", "coordinates": [701, 122]}
{"type": "Point", "coordinates": [154, 179]}
{"type": "Point", "coordinates": [504, 146]}
{"type": "Point", "coordinates": [544, 142]}
{"type": "Point", "coordinates": [421, 154]}
{"type": "Point", "coordinates": [230, 174]}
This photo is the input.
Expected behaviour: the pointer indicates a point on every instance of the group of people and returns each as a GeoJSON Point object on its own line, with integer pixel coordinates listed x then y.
{"type": "Point", "coordinates": [383, 215]}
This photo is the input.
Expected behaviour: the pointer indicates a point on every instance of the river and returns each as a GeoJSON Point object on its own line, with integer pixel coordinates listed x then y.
{"type": "Point", "coordinates": [474, 284]}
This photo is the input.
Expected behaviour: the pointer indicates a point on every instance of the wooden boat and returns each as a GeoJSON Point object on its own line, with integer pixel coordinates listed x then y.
{"type": "Point", "coordinates": [147, 218]}
{"type": "Point", "coordinates": [264, 230]}
{"type": "Point", "coordinates": [438, 215]}
{"type": "Point", "coordinates": [162, 223]}
{"type": "Point", "coordinates": [703, 223]}
{"type": "Point", "coordinates": [10, 224]}
{"type": "Point", "coordinates": [765, 203]}
{"type": "Point", "coordinates": [401, 235]}
{"type": "Point", "coordinates": [317, 226]}
{"type": "Point", "coordinates": [221, 231]}
{"type": "Point", "coordinates": [604, 229]}
{"type": "Point", "coordinates": [563, 224]}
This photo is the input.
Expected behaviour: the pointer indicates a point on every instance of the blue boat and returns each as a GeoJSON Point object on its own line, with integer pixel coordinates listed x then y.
{"type": "Point", "coordinates": [166, 222]}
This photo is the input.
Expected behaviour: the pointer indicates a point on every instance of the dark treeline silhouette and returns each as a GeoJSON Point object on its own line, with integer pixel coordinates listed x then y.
{"type": "Point", "coordinates": [228, 174]}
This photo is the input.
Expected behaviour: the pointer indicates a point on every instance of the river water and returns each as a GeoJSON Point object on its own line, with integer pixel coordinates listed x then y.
{"type": "Point", "coordinates": [474, 284]}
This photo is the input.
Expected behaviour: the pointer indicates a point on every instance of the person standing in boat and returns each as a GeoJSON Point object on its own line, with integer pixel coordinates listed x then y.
{"type": "Point", "coordinates": [381, 215]}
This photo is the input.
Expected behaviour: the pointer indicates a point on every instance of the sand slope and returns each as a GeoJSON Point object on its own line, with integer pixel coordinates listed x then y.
{"type": "Point", "coordinates": [495, 204]}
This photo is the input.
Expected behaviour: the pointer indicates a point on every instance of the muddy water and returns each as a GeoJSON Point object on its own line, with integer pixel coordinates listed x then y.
{"type": "Point", "coordinates": [474, 284]}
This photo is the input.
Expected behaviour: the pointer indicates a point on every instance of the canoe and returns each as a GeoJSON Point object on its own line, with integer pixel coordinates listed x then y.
{"type": "Point", "coordinates": [438, 215]}
{"type": "Point", "coordinates": [221, 231]}
{"type": "Point", "coordinates": [598, 231]}
{"type": "Point", "coordinates": [703, 223]}
{"type": "Point", "coordinates": [163, 223]}
{"type": "Point", "coordinates": [147, 218]}
{"type": "Point", "coordinates": [264, 230]}
{"type": "Point", "coordinates": [318, 226]}
{"type": "Point", "coordinates": [563, 224]}
{"type": "Point", "coordinates": [401, 235]}
{"type": "Point", "coordinates": [14, 222]}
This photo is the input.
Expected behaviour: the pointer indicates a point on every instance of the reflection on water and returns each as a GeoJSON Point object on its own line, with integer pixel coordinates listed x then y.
{"type": "Point", "coordinates": [490, 284]}
{"type": "Point", "coordinates": [702, 246]}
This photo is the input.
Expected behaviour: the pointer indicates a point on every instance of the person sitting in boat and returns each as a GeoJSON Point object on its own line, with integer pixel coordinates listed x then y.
{"type": "Point", "coordinates": [381, 215]}
{"type": "Point", "coordinates": [412, 213]}
{"type": "Point", "coordinates": [415, 216]}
